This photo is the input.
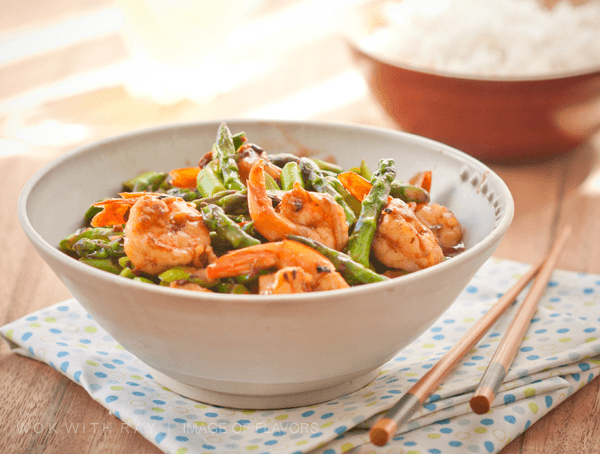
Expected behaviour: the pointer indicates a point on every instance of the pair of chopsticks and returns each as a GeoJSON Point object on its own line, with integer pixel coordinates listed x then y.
{"type": "Point", "coordinates": [489, 385]}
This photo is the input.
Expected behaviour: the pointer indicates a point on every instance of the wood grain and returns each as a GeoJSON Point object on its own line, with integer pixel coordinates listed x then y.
{"type": "Point", "coordinates": [41, 409]}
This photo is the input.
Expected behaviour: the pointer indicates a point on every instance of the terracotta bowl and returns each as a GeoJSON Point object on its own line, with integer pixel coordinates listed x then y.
{"type": "Point", "coordinates": [493, 119]}
{"type": "Point", "coordinates": [254, 351]}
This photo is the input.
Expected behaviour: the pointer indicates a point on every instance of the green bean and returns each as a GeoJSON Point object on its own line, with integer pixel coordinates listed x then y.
{"type": "Point", "coordinates": [359, 243]}
{"type": "Point", "coordinates": [354, 273]}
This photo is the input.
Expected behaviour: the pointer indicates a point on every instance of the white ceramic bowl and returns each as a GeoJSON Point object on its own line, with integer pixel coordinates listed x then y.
{"type": "Point", "coordinates": [254, 351]}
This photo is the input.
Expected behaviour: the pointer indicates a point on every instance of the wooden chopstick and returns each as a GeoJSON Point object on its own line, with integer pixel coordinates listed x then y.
{"type": "Point", "coordinates": [484, 395]}
{"type": "Point", "coordinates": [396, 416]}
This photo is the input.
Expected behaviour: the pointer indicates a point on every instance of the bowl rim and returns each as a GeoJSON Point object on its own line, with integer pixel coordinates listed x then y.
{"type": "Point", "coordinates": [111, 279]}
{"type": "Point", "coordinates": [563, 76]}
{"type": "Point", "coordinates": [353, 38]}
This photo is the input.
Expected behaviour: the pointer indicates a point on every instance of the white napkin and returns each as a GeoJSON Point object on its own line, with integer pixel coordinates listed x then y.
{"type": "Point", "coordinates": [560, 353]}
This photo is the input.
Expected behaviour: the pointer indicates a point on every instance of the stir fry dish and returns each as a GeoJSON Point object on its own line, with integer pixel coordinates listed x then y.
{"type": "Point", "coordinates": [247, 221]}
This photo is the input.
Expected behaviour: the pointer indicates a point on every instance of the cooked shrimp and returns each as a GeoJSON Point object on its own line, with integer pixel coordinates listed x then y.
{"type": "Point", "coordinates": [442, 222]}
{"type": "Point", "coordinates": [163, 232]}
{"type": "Point", "coordinates": [291, 279]}
{"type": "Point", "coordinates": [249, 154]}
{"type": "Point", "coordinates": [402, 241]}
{"type": "Point", "coordinates": [309, 214]}
{"type": "Point", "coordinates": [301, 268]}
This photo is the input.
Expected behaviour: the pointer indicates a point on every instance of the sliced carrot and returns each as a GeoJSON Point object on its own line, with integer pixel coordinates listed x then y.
{"type": "Point", "coordinates": [423, 180]}
{"type": "Point", "coordinates": [114, 212]}
{"type": "Point", "coordinates": [356, 185]}
{"type": "Point", "coordinates": [133, 195]}
{"type": "Point", "coordinates": [185, 177]}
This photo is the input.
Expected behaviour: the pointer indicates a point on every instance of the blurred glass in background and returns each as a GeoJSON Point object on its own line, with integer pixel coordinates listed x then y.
{"type": "Point", "coordinates": [178, 46]}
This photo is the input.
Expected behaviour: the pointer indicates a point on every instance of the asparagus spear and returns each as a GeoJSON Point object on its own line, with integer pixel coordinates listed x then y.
{"type": "Point", "coordinates": [409, 193]}
{"type": "Point", "coordinates": [96, 233]}
{"type": "Point", "coordinates": [209, 183]}
{"type": "Point", "coordinates": [238, 140]}
{"type": "Point", "coordinates": [213, 199]}
{"type": "Point", "coordinates": [143, 279]}
{"type": "Point", "coordinates": [99, 249]}
{"type": "Point", "coordinates": [328, 166]}
{"type": "Point", "coordinates": [365, 171]}
{"type": "Point", "coordinates": [186, 194]}
{"type": "Point", "coordinates": [102, 264]}
{"type": "Point", "coordinates": [219, 244]}
{"type": "Point", "coordinates": [270, 183]}
{"type": "Point", "coordinates": [234, 203]}
{"type": "Point", "coordinates": [128, 273]}
{"type": "Point", "coordinates": [327, 173]}
{"type": "Point", "coordinates": [248, 227]}
{"type": "Point", "coordinates": [312, 174]}
{"type": "Point", "coordinates": [178, 273]}
{"type": "Point", "coordinates": [228, 287]}
{"type": "Point", "coordinates": [216, 219]}
{"type": "Point", "coordinates": [281, 159]}
{"type": "Point", "coordinates": [124, 262]}
{"type": "Point", "coordinates": [350, 200]}
{"type": "Point", "coordinates": [289, 175]}
{"type": "Point", "coordinates": [249, 279]}
{"type": "Point", "coordinates": [239, 218]}
{"type": "Point", "coordinates": [353, 272]}
{"type": "Point", "coordinates": [92, 211]}
{"type": "Point", "coordinates": [149, 181]}
{"type": "Point", "coordinates": [359, 187]}
{"type": "Point", "coordinates": [359, 243]}
{"type": "Point", "coordinates": [226, 155]}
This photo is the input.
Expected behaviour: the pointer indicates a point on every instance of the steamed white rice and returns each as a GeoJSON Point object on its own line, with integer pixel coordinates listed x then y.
{"type": "Point", "coordinates": [515, 38]}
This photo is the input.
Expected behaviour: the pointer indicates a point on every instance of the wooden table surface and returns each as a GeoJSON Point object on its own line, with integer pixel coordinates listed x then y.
{"type": "Point", "coordinates": [71, 92]}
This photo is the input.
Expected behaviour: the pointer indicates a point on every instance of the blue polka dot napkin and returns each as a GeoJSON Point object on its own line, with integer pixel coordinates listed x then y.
{"type": "Point", "coordinates": [560, 354]}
